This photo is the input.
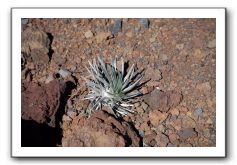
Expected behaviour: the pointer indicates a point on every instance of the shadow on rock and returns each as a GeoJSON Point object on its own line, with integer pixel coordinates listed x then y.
{"type": "Point", "coordinates": [34, 134]}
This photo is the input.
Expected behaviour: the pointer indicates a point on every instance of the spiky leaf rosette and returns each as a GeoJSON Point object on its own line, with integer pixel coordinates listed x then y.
{"type": "Point", "coordinates": [109, 86]}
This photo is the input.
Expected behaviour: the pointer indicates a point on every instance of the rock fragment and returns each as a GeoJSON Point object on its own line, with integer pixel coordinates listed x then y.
{"type": "Point", "coordinates": [117, 26]}
{"type": "Point", "coordinates": [88, 34]}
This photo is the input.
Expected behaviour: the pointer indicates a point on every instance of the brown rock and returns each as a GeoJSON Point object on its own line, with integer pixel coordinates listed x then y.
{"type": "Point", "coordinates": [188, 122]}
{"type": "Point", "coordinates": [144, 90]}
{"type": "Point", "coordinates": [164, 59]}
{"type": "Point", "coordinates": [152, 39]}
{"type": "Point", "coordinates": [40, 102]}
{"type": "Point", "coordinates": [204, 87]}
{"type": "Point", "coordinates": [129, 34]}
{"type": "Point", "coordinates": [177, 124]}
{"type": "Point", "coordinates": [173, 138]}
{"type": "Point", "coordinates": [144, 106]}
{"type": "Point", "coordinates": [174, 98]}
{"type": "Point", "coordinates": [103, 36]}
{"type": "Point", "coordinates": [180, 46]}
{"type": "Point", "coordinates": [183, 109]}
{"type": "Point", "coordinates": [162, 140]}
{"type": "Point", "coordinates": [137, 104]}
{"type": "Point", "coordinates": [153, 83]}
{"type": "Point", "coordinates": [161, 128]}
{"type": "Point", "coordinates": [174, 111]}
{"type": "Point", "coordinates": [158, 100]}
{"type": "Point", "coordinates": [198, 54]}
{"type": "Point", "coordinates": [150, 139]}
{"type": "Point", "coordinates": [197, 42]}
{"type": "Point", "coordinates": [66, 118]}
{"type": "Point", "coordinates": [35, 44]}
{"type": "Point", "coordinates": [163, 100]}
{"type": "Point", "coordinates": [209, 121]}
{"type": "Point", "coordinates": [140, 110]}
{"type": "Point", "coordinates": [153, 74]}
{"type": "Point", "coordinates": [144, 126]}
{"type": "Point", "coordinates": [156, 117]}
{"type": "Point", "coordinates": [100, 130]}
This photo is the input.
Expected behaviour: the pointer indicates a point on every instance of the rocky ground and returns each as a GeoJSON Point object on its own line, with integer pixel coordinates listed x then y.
{"type": "Point", "coordinates": [178, 105]}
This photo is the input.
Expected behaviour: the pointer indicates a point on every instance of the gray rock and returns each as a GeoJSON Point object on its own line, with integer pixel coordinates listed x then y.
{"type": "Point", "coordinates": [117, 26]}
{"type": "Point", "coordinates": [173, 117]}
{"type": "Point", "coordinates": [198, 112]}
{"type": "Point", "coordinates": [187, 133]}
{"type": "Point", "coordinates": [144, 22]}
{"type": "Point", "coordinates": [141, 133]}
{"type": "Point", "coordinates": [64, 73]}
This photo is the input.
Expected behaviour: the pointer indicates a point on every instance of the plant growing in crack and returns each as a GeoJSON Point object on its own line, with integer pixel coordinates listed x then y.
{"type": "Point", "coordinates": [111, 87]}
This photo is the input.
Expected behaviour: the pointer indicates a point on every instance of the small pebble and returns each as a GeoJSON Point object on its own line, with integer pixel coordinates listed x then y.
{"type": "Point", "coordinates": [209, 121]}
{"type": "Point", "coordinates": [129, 34]}
{"type": "Point", "coordinates": [140, 110]}
{"type": "Point", "coordinates": [144, 106]}
{"type": "Point", "coordinates": [49, 79]}
{"type": "Point", "coordinates": [141, 133]}
{"type": "Point", "coordinates": [198, 112]}
{"type": "Point", "coordinates": [64, 73]}
{"type": "Point", "coordinates": [66, 118]}
{"type": "Point", "coordinates": [144, 90]}
{"type": "Point", "coordinates": [173, 117]}
{"type": "Point", "coordinates": [164, 59]}
{"type": "Point", "coordinates": [137, 104]}
{"type": "Point", "coordinates": [88, 34]}
{"type": "Point", "coordinates": [153, 39]}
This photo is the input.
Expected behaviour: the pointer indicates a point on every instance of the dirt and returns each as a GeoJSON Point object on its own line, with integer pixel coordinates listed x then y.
{"type": "Point", "coordinates": [178, 56]}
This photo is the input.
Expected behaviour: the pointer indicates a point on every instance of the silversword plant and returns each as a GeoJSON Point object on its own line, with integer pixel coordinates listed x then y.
{"type": "Point", "coordinates": [109, 86]}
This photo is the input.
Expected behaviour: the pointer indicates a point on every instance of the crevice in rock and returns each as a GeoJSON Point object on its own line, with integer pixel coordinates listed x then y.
{"type": "Point", "coordinates": [34, 134]}
{"type": "Point", "coordinates": [61, 110]}
{"type": "Point", "coordinates": [51, 51]}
